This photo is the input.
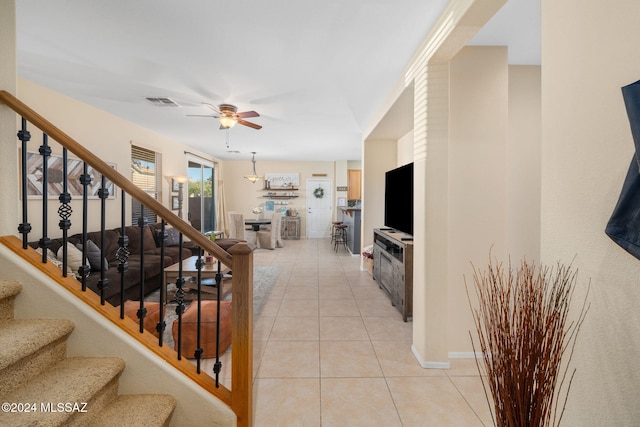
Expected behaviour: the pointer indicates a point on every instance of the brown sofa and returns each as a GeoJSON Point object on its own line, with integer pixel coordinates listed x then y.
{"type": "Point", "coordinates": [152, 264]}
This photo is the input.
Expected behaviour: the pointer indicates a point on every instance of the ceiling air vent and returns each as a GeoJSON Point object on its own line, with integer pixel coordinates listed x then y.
{"type": "Point", "coordinates": [162, 101]}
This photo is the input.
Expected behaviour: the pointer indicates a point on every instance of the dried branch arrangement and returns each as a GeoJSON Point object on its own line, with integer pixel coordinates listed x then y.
{"type": "Point", "coordinates": [523, 332]}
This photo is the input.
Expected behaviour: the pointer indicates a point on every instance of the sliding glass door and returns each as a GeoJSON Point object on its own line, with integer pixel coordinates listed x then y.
{"type": "Point", "coordinates": [201, 196]}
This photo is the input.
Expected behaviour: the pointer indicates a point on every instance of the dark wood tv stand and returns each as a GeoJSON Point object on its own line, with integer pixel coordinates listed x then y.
{"type": "Point", "coordinates": [393, 267]}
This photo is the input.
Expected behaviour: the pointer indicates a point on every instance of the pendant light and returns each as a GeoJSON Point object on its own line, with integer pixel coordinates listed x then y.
{"type": "Point", "coordinates": [254, 176]}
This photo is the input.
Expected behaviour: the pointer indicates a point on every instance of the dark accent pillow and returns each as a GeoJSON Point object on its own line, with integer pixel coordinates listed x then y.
{"type": "Point", "coordinates": [94, 256]}
{"type": "Point", "coordinates": [173, 237]}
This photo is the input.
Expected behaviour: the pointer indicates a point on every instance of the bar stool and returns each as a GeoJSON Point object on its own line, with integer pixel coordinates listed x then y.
{"type": "Point", "coordinates": [341, 237]}
{"type": "Point", "coordinates": [334, 230]}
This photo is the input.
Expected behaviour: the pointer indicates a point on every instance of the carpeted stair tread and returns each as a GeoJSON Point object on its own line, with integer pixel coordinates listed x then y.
{"type": "Point", "coordinates": [20, 338]}
{"type": "Point", "coordinates": [140, 410]}
{"type": "Point", "coordinates": [8, 290]}
{"type": "Point", "coordinates": [73, 380]}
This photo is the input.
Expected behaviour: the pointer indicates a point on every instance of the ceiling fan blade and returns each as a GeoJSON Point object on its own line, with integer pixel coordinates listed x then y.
{"type": "Point", "coordinates": [212, 107]}
{"type": "Point", "coordinates": [246, 114]}
{"type": "Point", "coordinates": [251, 125]}
{"type": "Point", "coordinates": [201, 115]}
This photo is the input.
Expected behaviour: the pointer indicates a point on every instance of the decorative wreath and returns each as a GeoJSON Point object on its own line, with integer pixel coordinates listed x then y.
{"type": "Point", "coordinates": [318, 193]}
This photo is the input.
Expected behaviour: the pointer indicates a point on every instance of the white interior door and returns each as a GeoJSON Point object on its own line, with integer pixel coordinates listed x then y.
{"type": "Point", "coordinates": [319, 209]}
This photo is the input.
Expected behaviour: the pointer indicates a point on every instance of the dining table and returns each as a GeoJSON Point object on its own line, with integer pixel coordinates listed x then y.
{"type": "Point", "coordinates": [256, 223]}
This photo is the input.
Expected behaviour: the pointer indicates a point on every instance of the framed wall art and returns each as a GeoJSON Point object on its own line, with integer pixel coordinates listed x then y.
{"type": "Point", "coordinates": [55, 178]}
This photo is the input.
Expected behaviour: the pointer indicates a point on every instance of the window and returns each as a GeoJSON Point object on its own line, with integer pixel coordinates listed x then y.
{"type": "Point", "coordinates": [201, 196]}
{"type": "Point", "coordinates": [145, 174]}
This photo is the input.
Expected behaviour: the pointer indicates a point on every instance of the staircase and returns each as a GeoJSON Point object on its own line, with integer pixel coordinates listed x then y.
{"type": "Point", "coordinates": [46, 388]}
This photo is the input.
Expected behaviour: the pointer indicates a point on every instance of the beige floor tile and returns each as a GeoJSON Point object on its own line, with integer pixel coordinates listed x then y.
{"type": "Point", "coordinates": [287, 402]}
{"type": "Point", "coordinates": [357, 402]}
{"type": "Point", "coordinates": [376, 307]}
{"type": "Point", "coordinates": [301, 292]}
{"type": "Point", "coordinates": [262, 327]}
{"type": "Point", "coordinates": [331, 292]}
{"type": "Point", "coordinates": [303, 280]}
{"type": "Point", "coordinates": [463, 367]}
{"type": "Point", "coordinates": [289, 328]}
{"type": "Point", "coordinates": [472, 391]}
{"type": "Point", "coordinates": [290, 359]}
{"type": "Point", "coordinates": [397, 360]}
{"type": "Point", "coordinates": [342, 328]}
{"type": "Point", "coordinates": [299, 307]}
{"type": "Point", "coordinates": [271, 306]}
{"type": "Point", "coordinates": [431, 401]}
{"type": "Point", "coordinates": [348, 359]}
{"type": "Point", "coordinates": [381, 328]}
{"type": "Point", "coordinates": [344, 307]}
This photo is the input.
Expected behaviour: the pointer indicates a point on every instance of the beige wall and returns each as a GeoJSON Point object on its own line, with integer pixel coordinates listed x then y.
{"type": "Point", "coordinates": [588, 54]}
{"type": "Point", "coordinates": [477, 175]}
{"type": "Point", "coordinates": [9, 212]}
{"type": "Point", "coordinates": [379, 156]}
{"type": "Point", "coordinates": [242, 195]}
{"type": "Point", "coordinates": [109, 137]}
{"type": "Point", "coordinates": [523, 163]}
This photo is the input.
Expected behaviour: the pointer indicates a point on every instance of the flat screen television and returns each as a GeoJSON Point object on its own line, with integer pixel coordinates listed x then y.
{"type": "Point", "coordinates": [398, 199]}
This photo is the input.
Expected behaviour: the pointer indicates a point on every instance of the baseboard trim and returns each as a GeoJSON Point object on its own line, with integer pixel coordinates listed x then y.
{"type": "Point", "coordinates": [465, 355]}
{"type": "Point", "coordinates": [429, 365]}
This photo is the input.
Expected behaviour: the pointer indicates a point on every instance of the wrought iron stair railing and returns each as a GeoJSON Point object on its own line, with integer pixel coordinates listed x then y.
{"type": "Point", "coordinates": [238, 258]}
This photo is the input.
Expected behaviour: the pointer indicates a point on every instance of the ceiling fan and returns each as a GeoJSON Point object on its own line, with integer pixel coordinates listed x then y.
{"type": "Point", "coordinates": [228, 116]}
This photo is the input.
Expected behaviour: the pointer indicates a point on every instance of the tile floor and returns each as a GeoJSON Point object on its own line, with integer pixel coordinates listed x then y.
{"type": "Point", "coordinates": [330, 350]}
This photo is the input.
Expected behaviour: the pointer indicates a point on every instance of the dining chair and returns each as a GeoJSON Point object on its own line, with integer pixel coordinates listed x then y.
{"type": "Point", "coordinates": [237, 228]}
{"type": "Point", "coordinates": [271, 239]}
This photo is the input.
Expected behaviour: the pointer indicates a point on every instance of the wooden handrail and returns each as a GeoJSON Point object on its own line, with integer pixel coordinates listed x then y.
{"type": "Point", "coordinates": [114, 176]}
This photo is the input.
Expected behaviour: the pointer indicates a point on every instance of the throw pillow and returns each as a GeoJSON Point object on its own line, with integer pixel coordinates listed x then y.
{"type": "Point", "coordinates": [173, 237]}
{"type": "Point", "coordinates": [94, 256]}
{"type": "Point", "coordinates": [74, 257]}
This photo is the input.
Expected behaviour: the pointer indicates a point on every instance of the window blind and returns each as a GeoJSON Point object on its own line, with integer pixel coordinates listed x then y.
{"type": "Point", "coordinates": [145, 174]}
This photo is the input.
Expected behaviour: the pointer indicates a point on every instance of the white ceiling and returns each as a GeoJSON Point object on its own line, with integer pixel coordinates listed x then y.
{"type": "Point", "coordinates": [315, 71]}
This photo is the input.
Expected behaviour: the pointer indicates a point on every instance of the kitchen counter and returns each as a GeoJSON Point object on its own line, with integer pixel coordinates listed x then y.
{"type": "Point", "coordinates": [352, 218]}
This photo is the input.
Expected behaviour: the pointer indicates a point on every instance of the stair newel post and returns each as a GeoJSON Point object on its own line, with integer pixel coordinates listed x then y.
{"type": "Point", "coordinates": [160, 327]}
{"type": "Point", "coordinates": [64, 210]}
{"type": "Point", "coordinates": [142, 311]}
{"type": "Point", "coordinates": [25, 227]}
{"type": "Point", "coordinates": [45, 242]}
{"type": "Point", "coordinates": [85, 180]}
{"type": "Point", "coordinates": [103, 194]}
{"type": "Point", "coordinates": [198, 353]}
{"type": "Point", "coordinates": [242, 337]}
{"type": "Point", "coordinates": [179, 298]}
{"type": "Point", "coordinates": [122, 254]}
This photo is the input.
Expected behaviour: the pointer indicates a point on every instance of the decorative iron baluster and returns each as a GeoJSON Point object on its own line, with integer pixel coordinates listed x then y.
{"type": "Point", "coordinates": [103, 194]}
{"type": "Point", "coordinates": [45, 242]}
{"type": "Point", "coordinates": [217, 367]}
{"type": "Point", "coordinates": [123, 252]}
{"type": "Point", "coordinates": [142, 311]}
{"type": "Point", "coordinates": [64, 210]}
{"type": "Point", "coordinates": [179, 298]}
{"type": "Point", "coordinates": [25, 227]}
{"type": "Point", "coordinates": [198, 353]}
{"type": "Point", "coordinates": [85, 180]}
{"type": "Point", "coordinates": [161, 325]}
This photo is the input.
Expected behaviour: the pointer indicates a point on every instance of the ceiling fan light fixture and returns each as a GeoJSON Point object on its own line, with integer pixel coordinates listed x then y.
{"type": "Point", "coordinates": [228, 121]}
{"type": "Point", "coordinates": [253, 178]}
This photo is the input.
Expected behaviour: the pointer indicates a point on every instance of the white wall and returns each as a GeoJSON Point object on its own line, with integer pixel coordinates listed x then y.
{"type": "Point", "coordinates": [588, 54]}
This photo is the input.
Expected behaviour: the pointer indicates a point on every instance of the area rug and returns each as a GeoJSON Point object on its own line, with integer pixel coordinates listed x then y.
{"type": "Point", "coordinates": [264, 279]}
